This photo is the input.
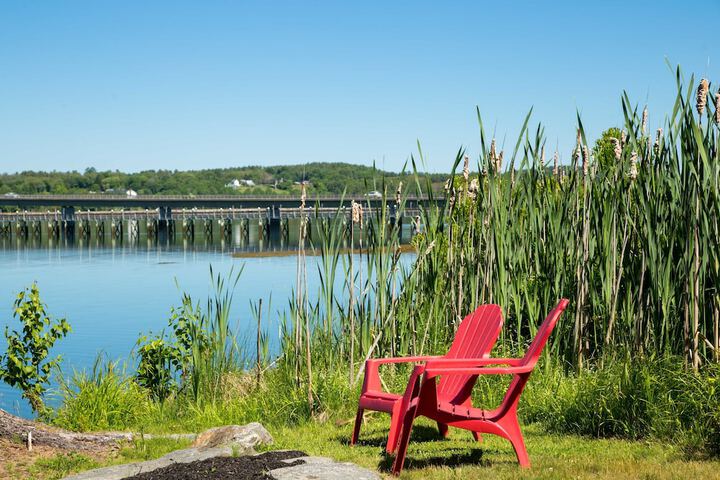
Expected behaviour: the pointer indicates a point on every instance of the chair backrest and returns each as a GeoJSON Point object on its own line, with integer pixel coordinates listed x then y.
{"type": "Point", "coordinates": [474, 338]}
{"type": "Point", "coordinates": [531, 357]}
{"type": "Point", "coordinates": [541, 337]}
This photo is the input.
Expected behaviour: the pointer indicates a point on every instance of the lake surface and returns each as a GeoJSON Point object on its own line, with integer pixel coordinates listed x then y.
{"type": "Point", "coordinates": [110, 293]}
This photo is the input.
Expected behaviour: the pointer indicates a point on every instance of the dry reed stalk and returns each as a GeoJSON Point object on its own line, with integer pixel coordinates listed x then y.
{"type": "Point", "coordinates": [585, 160]}
{"type": "Point", "coordinates": [356, 217]}
{"type": "Point", "coordinates": [645, 120]}
{"type": "Point", "coordinates": [259, 338]}
{"type": "Point", "coordinates": [542, 157]}
{"type": "Point", "coordinates": [556, 168]}
{"type": "Point", "coordinates": [466, 168]}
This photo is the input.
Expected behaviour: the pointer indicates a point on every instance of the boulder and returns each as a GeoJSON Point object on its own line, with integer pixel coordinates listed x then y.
{"type": "Point", "coordinates": [321, 468]}
{"type": "Point", "coordinates": [243, 436]}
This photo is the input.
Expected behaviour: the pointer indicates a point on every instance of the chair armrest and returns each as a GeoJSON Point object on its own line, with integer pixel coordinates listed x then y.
{"type": "Point", "coordinates": [435, 371]}
{"type": "Point", "coordinates": [472, 362]}
{"type": "Point", "coordinates": [372, 366]}
{"type": "Point", "coordinates": [424, 358]}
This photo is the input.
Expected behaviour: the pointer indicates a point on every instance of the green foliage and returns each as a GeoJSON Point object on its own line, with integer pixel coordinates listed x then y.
{"type": "Point", "coordinates": [604, 149]}
{"type": "Point", "coordinates": [25, 364]}
{"type": "Point", "coordinates": [324, 178]}
{"type": "Point", "coordinates": [106, 398]}
{"type": "Point", "coordinates": [198, 352]}
{"type": "Point", "coordinates": [158, 362]}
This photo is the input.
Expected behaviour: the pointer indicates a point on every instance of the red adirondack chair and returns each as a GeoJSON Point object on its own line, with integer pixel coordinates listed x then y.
{"type": "Point", "coordinates": [474, 339]}
{"type": "Point", "coordinates": [425, 395]}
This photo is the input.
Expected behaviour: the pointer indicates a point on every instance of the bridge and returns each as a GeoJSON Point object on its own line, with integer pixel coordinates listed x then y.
{"type": "Point", "coordinates": [158, 213]}
{"type": "Point", "coordinates": [193, 201]}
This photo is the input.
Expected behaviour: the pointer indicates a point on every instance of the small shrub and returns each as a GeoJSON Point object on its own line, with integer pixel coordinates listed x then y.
{"type": "Point", "coordinates": [25, 364]}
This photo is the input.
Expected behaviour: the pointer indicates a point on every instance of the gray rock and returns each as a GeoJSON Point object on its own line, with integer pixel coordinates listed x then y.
{"type": "Point", "coordinates": [246, 436]}
{"type": "Point", "coordinates": [216, 442]}
{"type": "Point", "coordinates": [310, 460]}
{"type": "Point", "coordinates": [319, 468]}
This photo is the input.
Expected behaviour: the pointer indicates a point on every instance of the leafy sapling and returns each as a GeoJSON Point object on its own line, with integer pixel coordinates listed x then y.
{"type": "Point", "coordinates": [25, 363]}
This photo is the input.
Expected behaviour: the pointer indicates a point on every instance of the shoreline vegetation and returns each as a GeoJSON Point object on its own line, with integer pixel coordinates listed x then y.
{"type": "Point", "coordinates": [629, 232]}
{"type": "Point", "coordinates": [282, 180]}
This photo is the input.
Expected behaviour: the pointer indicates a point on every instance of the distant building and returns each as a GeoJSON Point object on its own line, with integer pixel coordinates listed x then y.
{"type": "Point", "coordinates": [240, 183]}
{"type": "Point", "coordinates": [131, 193]}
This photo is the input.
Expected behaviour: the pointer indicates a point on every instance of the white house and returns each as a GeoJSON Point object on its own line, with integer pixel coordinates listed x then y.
{"type": "Point", "coordinates": [239, 183]}
{"type": "Point", "coordinates": [131, 193]}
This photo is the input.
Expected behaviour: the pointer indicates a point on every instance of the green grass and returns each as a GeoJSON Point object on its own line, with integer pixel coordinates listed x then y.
{"type": "Point", "coordinates": [459, 457]}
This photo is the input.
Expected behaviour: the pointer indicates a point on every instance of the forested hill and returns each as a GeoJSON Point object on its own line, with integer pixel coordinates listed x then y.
{"type": "Point", "coordinates": [323, 178]}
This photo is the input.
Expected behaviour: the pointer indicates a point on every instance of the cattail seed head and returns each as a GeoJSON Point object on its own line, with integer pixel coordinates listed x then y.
{"type": "Point", "coordinates": [617, 148]}
{"type": "Point", "coordinates": [623, 139]}
{"type": "Point", "coordinates": [633, 165]}
{"type": "Point", "coordinates": [658, 136]}
{"type": "Point", "coordinates": [499, 162]}
{"type": "Point", "coordinates": [579, 137]}
{"type": "Point", "coordinates": [717, 107]}
{"type": "Point", "coordinates": [702, 92]}
{"type": "Point", "coordinates": [398, 192]}
{"type": "Point", "coordinates": [357, 213]}
{"type": "Point", "coordinates": [474, 188]}
{"type": "Point", "coordinates": [303, 195]}
{"type": "Point", "coordinates": [555, 164]}
{"type": "Point", "coordinates": [585, 160]}
{"type": "Point", "coordinates": [542, 157]}
{"type": "Point", "coordinates": [644, 120]}
{"type": "Point", "coordinates": [466, 168]}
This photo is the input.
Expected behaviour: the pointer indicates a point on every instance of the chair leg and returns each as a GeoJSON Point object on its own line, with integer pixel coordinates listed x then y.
{"type": "Point", "coordinates": [477, 436]}
{"type": "Point", "coordinates": [443, 429]}
{"type": "Point", "coordinates": [358, 423]}
{"type": "Point", "coordinates": [403, 441]}
{"type": "Point", "coordinates": [512, 427]}
{"type": "Point", "coordinates": [395, 427]}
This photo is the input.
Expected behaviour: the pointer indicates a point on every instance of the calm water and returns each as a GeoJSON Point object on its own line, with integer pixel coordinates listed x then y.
{"type": "Point", "coordinates": [110, 294]}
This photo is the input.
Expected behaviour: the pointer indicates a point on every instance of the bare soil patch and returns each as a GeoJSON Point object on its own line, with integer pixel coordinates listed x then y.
{"type": "Point", "coordinates": [254, 467]}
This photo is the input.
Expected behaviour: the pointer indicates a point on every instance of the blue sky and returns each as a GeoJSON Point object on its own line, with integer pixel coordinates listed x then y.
{"type": "Point", "coordinates": [187, 85]}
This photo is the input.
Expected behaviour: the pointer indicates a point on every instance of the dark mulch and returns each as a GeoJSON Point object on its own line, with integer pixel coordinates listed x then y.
{"type": "Point", "coordinates": [253, 467]}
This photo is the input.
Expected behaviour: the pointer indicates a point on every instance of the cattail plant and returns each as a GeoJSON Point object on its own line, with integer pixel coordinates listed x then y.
{"type": "Point", "coordinates": [701, 101]}
{"type": "Point", "coordinates": [617, 149]}
{"type": "Point", "coordinates": [633, 173]}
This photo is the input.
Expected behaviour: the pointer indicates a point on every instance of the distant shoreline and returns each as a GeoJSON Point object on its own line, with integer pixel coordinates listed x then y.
{"type": "Point", "coordinates": [313, 252]}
